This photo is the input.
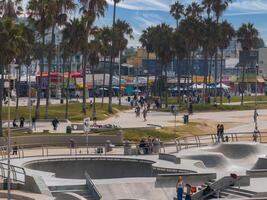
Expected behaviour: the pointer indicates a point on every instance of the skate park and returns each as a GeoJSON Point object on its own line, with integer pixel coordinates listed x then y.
{"type": "Point", "coordinates": [120, 172]}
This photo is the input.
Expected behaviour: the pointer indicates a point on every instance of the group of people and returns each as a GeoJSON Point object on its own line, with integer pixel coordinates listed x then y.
{"type": "Point", "coordinates": [220, 134]}
{"type": "Point", "coordinates": [21, 122]}
{"type": "Point", "coordinates": [182, 188]}
{"type": "Point", "coordinates": [149, 145]}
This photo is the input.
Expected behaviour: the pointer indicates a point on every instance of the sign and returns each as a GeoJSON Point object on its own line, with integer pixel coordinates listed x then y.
{"type": "Point", "coordinates": [86, 125]}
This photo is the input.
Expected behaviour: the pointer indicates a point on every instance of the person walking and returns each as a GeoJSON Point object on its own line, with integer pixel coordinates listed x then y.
{"type": "Point", "coordinates": [255, 134]}
{"type": "Point", "coordinates": [180, 188]}
{"type": "Point", "coordinates": [218, 133]}
{"type": "Point", "coordinates": [255, 117]}
{"type": "Point", "coordinates": [15, 149]}
{"type": "Point", "coordinates": [22, 120]}
{"type": "Point", "coordinates": [34, 123]}
{"type": "Point", "coordinates": [222, 132]}
{"type": "Point", "coordinates": [145, 114]}
{"type": "Point", "coordinates": [55, 123]}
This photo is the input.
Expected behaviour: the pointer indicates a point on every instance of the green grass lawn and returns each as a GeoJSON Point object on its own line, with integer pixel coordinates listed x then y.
{"type": "Point", "coordinates": [210, 107]}
{"type": "Point", "coordinates": [165, 134]}
{"type": "Point", "coordinates": [75, 111]}
{"type": "Point", "coordinates": [173, 100]}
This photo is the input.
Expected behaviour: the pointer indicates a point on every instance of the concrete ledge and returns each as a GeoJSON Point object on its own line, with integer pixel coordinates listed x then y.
{"type": "Point", "coordinates": [169, 180]}
{"type": "Point", "coordinates": [61, 140]}
{"type": "Point", "coordinates": [169, 157]}
{"type": "Point", "coordinates": [254, 173]}
{"type": "Point", "coordinates": [69, 196]}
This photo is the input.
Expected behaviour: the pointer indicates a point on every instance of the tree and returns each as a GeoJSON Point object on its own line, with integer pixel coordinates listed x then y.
{"type": "Point", "coordinates": [10, 8]}
{"type": "Point", "coordinates": [260, 43]}
{"type": "Point", "coordinates": [11, 39]}
{"type": "Point", "coordinates": [38, 16]}
{"type": "Point", "coordinates": [247, 35]}
{"type": "Point", "coordinates": [91, 9]}
{"type": "Point", "coordinates": [110, 91]}
{"type": "Point", "coordinates": [74, 35]}
{"type": "Point", "coordinates": [162, 39]}
{"type": "Point", "coordinates": [177, 11]}
{"type": "Point", "coordinates": [147, 43]}
{"type": "Point", "coordinates": [122, 31]}
{"type": "Point", "coordinates": [105, 37]}
{"type": "Point", "coordinates": [226, 33]}
{"type": "Point", "coordinates": [57, 15]}
{"type": "Point", "coordinates": [218, 7]}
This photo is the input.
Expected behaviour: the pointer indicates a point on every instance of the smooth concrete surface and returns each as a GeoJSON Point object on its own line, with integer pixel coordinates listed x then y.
{"type": "Point", "coordinates": [222, 159]}
{"type": "Point", "coordinates": [69, 196]}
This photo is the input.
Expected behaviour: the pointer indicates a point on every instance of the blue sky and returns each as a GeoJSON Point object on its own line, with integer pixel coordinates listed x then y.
{"type": "Point", "coordinates": [143, 13]}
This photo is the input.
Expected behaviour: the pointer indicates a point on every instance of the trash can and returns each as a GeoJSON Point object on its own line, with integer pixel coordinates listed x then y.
{"type": "Point", "coordinates": [186, 119]}
{"type": "Point", "coordinates": [127, 148]}
{"type": "Point", "coordinates": [156, 146]}
{"type": "Point", "coordinates": [68, 129]}
{"type": "Point", "coordinates": [61, 101]}
{"type": "Point", "coordinates": [5, 184]}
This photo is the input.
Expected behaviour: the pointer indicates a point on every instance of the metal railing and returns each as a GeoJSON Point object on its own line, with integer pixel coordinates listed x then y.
{"type": "Point", "coordinates": [179, 144]}
{"type": "Point", "coordinates": [18, 174]}
{"type": "Point", "coordinates": [91, 187]}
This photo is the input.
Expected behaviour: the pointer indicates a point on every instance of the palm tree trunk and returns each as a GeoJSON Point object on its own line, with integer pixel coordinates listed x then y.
{"type": "Point", "coordinates": [93, 77]}
{"type": "Point", "coordinates": [1, 99]}
{"type": "Point", "coordinates": [243, 85]}
{"type": "Point", "coordinates": [205, 78]}
{"type": "Point", "coordinates": [147, 80]}
{"type": "Point", "coordinates": [17, 91]}
{"type": "Point", "coordinates": [111, 61]}
{"type": "Point", "coordinates": [119, 78]}
{"type": "Point", "coordinates": [68, 92]}
{"type": "Point", "coordinates": [49, 59]}
{"type": "Point", "coordinates": [215, 76]}
{"type": "Point", "coordinates": [84, 83]}
{"type": "Point", "coordinates": [166, 88]}
{"type": "Point", "coordinates": [221, 74]}
{"type": "Point", "coordinates": [63, 78]}
{"type": "Point", "coordinates": [178, 81]}
{"type": "Point", "coordinates": [39, 88]}
{"type": "Point", "coordinates": [104, 82]}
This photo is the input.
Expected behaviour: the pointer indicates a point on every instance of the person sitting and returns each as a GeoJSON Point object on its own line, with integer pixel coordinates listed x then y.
{"type": "Point", "coordinates": [15, 123]}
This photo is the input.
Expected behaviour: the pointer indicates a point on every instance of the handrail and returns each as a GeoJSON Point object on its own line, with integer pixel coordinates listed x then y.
{"type": "Point", "coordinates": [92, 188]}
{"type": "Point", "coordinates": [16, 172]}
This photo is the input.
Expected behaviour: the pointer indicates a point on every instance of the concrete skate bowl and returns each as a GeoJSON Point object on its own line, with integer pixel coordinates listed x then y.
{"type": "Point", "coordinates": [208, 160]}
{"type": "Point", "coordinates": [97, 168]}
{"type": "Point", "coordinates": [239, 151]}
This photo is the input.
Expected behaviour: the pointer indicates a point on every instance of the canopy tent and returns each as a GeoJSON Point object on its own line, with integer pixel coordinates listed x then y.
{"type": "Point", "coordinates": [223, 86]}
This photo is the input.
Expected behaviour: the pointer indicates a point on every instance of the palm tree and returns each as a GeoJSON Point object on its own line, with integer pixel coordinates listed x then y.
{"type": "Point", "coordinates": [207, 4]}
{"type": "Point", "coordinates": [57, 16]}
{"type": "Point", "coordinates": [247, 35]}
{"type": "Point", "coordinates": [147, 43]}
{"type": "Point", "coordinates": [162, 46]}
{"type": "Point", "coordinates": [74, 35]}
{"type": "Point", "coordinates": [218, 7]}
{"type": "Point", "coordinates": [111, 57]}
{"type": "Point", "coordinates": [105, 37]}
{"type": "Point", "coordinates": [122, 32]}
{"type": "Point", "coordinates": [11, 39]}
{"type": "Point", "coordinates": [177, 11]}
{"type": "Point", "coordinates": [38, 16]}
{"type": "Point", "coordinates": [91, 9]}
{"type": "Point", "coordinates": [226, 33]}
{"type": "Point", "coordinates": [178, 46]}
{"type": "Point", "coordinates": [24, 55]}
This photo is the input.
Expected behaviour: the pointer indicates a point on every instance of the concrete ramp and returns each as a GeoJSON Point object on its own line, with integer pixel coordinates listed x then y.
{"type": "Point", "coordinates": [261, 164]}
{"type": "Point", "coordinates": [137, 191]}
{"type": "Point", "coordinates": [238, 151]}
{"type": "Point", "coordinates": [209, 160]}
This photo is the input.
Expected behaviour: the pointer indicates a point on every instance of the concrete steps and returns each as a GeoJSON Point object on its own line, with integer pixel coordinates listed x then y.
{"type": "Point", "coordinates": [237, 193]}
{"type": "Point", "coordinates": [81, 190]}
